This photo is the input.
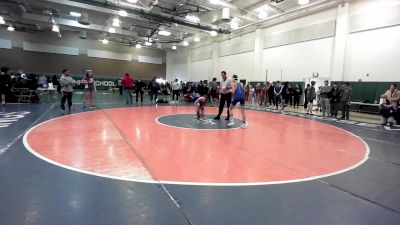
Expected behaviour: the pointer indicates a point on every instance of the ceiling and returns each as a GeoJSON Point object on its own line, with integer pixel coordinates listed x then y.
{"type": "Point", "coordinates": [146, 18]}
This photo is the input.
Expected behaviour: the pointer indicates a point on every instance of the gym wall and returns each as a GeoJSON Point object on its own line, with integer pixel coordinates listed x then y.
{"type": "Point", "coordinates": [46, 53]}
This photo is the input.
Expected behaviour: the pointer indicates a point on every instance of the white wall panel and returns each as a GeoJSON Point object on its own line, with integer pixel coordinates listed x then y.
{"type": "Point", "coordinates": [367, 14]}
{"type": "Point", "coordinates": [316, 31]}
{"type": "Point", "coordinates": [374, 52]}
{"type": "Point", "coordinates": [298, 61]}
{"type": "Point", "coordinates": [36, 47]}
{"type": "Point", "coordinates": [177, 66]}
{"type": "Point", "coordinates": [109, 55]}
{"type": "Point", "coordinates": [148, 59]}
{"type": "Point", "coordinates": [237, 45]}
{"type": "Point", "coordinates": [4, 43]}
{"type": "Point", "coordinates": [205, 52]}
{"type": "Point", "coordinates": [202, 70]}
{"type": "Point", "coordinates": [240, 64]}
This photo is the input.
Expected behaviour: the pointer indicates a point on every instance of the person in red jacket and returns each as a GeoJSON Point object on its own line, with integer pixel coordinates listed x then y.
{"type": "Point", "coordinates": [128, 84]}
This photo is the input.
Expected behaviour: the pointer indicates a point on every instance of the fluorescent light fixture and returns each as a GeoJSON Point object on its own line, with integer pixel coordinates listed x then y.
{"type": "Point", "coordinates": [75, 14]}
{"type": "Point", "coordinates": [55, 28]}
{"type": "Point", "coordinates": [10, 28]}
{"type": "Point", "coordinates": [234, 25]}
{"type": "Point", "coordinates": [213, 33]}
{"type": "Point", "coordinates": [226, 13]}
{"type": "Point", "coordinates": [173, 47]}
{"type": "Point", "coordinates": [116, 22]}
{"type": "Point", "coordinates": [303, 2]}
{"type": "Point", "coordinates": [185, 43]}
{"type": "Point", "coordinates": [147, 43]}
{"type": "Point", "coordinates": [111, 30]}
{"type": "Point", "coordinates": [164, 33]}
{"type": "Point", "coordinates": [138, 46]}
{"type": "Point", "coordinates": [196, 39]}
{"type": "Point", "coordinates": [262, 15]}
{"type": "Point", "coordinates": [122, 13]}
{"type": "Point", "coordinates": [132, 1]}
{"type": "Point", "coordinates": [192, 18]}
{"type": "Point", "coordinates": [2, 21]}
{"type": "Point", "coordinates": [217, 2]}
{"type": "Point", "coordinates": [105, 41]}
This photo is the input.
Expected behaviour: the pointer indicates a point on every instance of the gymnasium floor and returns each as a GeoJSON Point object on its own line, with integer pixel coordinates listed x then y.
{"type": "Point", "coordinates": [155, 165]}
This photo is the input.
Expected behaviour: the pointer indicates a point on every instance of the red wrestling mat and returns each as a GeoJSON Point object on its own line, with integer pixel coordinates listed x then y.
{"type": "Point", "coordinates": [129, 144]}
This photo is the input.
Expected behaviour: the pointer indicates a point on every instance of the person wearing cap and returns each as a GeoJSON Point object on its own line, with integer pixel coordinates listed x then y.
{"type": "Point", "coordinates": [128, 85]}
{"type": "Point", "coordinates": [67, 88]}
{"type": "Point", "coordinates": [310, 95]}
{"type": "Point", "coordinates": [89, 89]}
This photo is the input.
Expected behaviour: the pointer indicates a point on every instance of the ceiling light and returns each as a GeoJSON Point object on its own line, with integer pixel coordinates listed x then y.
{"type": "Point", "coordinates": [196, 39]}
{"type": "Point", "coordinates": [138, 46]}
{"type": "Point", "coordinates": [226, 14]}
{"type": "Point", "coordinates": [213, 33]}
{"type": "Point", "coordinates": [75, 14]}
{"type": "Point", "coordinates": [55, 28]}
{"type": "Point", "coordinates": [185, 43]}
{"type": "Point", "coordinates": [234, 25]}
{"type": "Point", "coordinates": [105, 41]}
{"type": "Point", "coordinates": [116, 22]}
{"type": "Point", "coordinates": [173, 47]}
{"type": "Point", "coordinates": [122, 13]}
{"type": "Point", "coordinates": [164, 33]}
{"type": "Point", "coordinates": [263, 15]}
{"type": "Point", "coordinates": [132, 1]}
{"type": "Point", "coordinates": [147, 43]}
{"type": "Point", "coordinates": [303, 2]}
{"type": "Point", "coordinates": [215, 2]}
{"type": "Point", "coordinates": [192, 18]}
{"type": "Point", "coordinates": [10, 28]}
{"type": "Point", "coordinates": [111, 30]}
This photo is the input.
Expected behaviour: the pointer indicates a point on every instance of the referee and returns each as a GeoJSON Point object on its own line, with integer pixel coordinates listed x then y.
{"type": "Point", "coordinates": [226, 95]}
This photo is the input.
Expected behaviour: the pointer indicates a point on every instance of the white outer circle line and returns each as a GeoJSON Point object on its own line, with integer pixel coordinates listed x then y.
{"type": "Point", "coordinates": [32, 151]}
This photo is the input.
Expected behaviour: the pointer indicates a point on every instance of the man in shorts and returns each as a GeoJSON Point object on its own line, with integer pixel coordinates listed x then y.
{"type": "Point", "coordinates": [238, 96]}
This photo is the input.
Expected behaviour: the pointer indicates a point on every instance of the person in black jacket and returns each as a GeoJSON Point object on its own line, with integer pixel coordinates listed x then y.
{"type": "Point", "coordinates": [297, 93]}
{"type": "Point", "coordinates": [5, 84]}
{"type": "Point", "coordinates": [335, 100]}
{"type": "Point", "coordinates": [289, 94]}
{"type": "Point", "coordinates": [139, 89]}
{"type": "Point", "coordinates": [305, 97]}
{"type": "Point", "coordinates": [154, 88]}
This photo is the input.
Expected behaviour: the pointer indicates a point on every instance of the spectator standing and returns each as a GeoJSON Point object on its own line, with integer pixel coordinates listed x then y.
{"type": "Point", "coordinates": [154, 88]}
{"type": "Point", "coordinates": [139, 90]}
{"type": "Point", "coordinates": [297, 93]}
{"type": "Point", "coordinates": [89, 89]}
{"type": "Point", "coordinates": [67, 88]}
{"type": "Point", "coordinates": [311, 96]}
{"type": "Point", "coordinates": [128, 84]}
{"type": "Point", "coordinates": [278, 93]}
{"type": "Point", "coordinates": [345, 98]}
{"type": "Point", "coordinates": [325, 95]}
{"type": "Point", "coordinates": [176, 89]}
{"type": "Point", "coordinates": [289, 94]}
{"type": "Point", "coordinates": [213, 90]}
{"type": "Point", "coordinates": [271, 95]}
{"type": "Point", "coordinates": [5, 84]}
{"type": "Point", "coordinates": [335, 100]}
